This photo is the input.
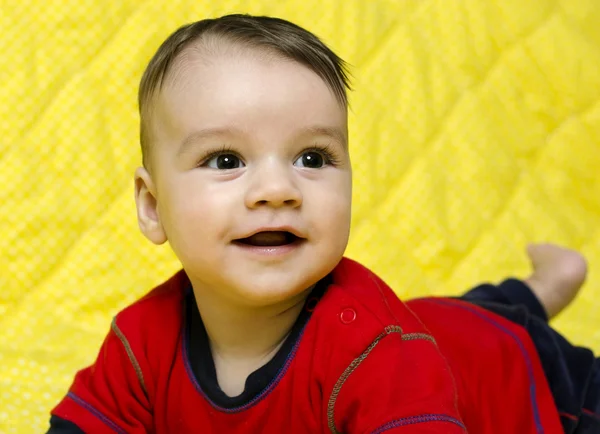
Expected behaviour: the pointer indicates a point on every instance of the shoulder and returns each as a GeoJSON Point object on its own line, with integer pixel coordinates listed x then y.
{"type": "Point", "coordinates": [160, 307]}
{"type": "Point", "coordinates": [147, 332]}
{"type": "Point", "coordinates": [357, 288]}
{"type": "Point", "coordinates": [360, 317]}
{"type": "Point", "coordinates": [150, 328]}
{"type": "Point", "coordinates": [374, 346]}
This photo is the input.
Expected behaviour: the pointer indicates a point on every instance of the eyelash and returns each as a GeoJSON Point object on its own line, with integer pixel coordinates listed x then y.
{"type": "Point", "coordinates": [215, 153]}
{"type": "Point", "coordinates": [326, 150]}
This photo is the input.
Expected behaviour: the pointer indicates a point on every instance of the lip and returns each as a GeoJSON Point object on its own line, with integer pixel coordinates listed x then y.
{"type": "Point", "coordinates": [292, 230]}
{"type": "Point", "coordinates": [271, 251]}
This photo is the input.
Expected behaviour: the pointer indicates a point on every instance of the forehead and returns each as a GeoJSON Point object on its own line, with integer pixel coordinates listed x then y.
{"type": "Point", "coordinates": [246, 89]}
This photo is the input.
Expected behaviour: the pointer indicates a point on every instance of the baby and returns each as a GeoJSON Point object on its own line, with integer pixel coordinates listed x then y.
{"type": "Point", "coordinates": [268, 328]}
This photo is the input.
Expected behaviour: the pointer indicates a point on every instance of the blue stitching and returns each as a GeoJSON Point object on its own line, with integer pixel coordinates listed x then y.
{"type": "Point", "coordinates": [418, 419]}
{"type": "Point", "coordinates": [532, 386]}
{"type": "Point", "coordinates": [96, 413]}
{"type": "Point", "coordinates": [257, 398]}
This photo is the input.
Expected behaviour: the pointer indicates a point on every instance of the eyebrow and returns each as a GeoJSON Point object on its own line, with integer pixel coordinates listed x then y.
{"type": "Point", "coordinates": [331, 132]}
{"type": "Point", "coordinates": [206, 134]}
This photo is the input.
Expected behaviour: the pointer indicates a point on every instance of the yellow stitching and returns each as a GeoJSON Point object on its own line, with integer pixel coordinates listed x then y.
{"type": "Point", "coordinates": [351, 368]}
{"type": "Point", "coordinates": [129, 351]}
{"type": "Point", "coordinates": [415, 336]}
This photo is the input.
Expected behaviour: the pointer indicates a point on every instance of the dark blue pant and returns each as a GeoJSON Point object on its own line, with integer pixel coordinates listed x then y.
{"type": "Point", "coordinates": [573, 373]}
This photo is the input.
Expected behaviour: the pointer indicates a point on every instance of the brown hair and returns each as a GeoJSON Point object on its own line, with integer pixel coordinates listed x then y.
{"type": "Point", "coordinates": [273, 34]}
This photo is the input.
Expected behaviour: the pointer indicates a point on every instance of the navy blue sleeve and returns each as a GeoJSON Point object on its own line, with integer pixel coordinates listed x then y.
{"type": "Point", "coordinates": [61, 426]}
{"type": "Point", "coordinates": [511, 292]}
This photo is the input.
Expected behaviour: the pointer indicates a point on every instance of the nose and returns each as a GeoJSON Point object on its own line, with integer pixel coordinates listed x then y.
{"type": "Point", "coordinates": [273, 185]}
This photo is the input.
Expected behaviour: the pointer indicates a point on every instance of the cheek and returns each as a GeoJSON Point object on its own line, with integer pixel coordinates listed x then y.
{"type": "Point", "coordinates": [193, 206]}
{"type": "Point", "coordinates": [337, 200]}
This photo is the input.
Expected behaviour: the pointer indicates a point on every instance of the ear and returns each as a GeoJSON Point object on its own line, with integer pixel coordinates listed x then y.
{"type": "Point", "coordinates": [147, 207]}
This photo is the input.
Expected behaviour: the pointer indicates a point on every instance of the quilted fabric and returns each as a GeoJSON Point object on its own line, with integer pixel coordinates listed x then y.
{"type": "Point", "coordinates": [475, 129]}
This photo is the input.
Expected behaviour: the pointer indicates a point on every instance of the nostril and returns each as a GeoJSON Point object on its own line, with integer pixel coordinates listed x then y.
{"type": "Point", "coordinates": [275, 203]}
{"type": "Point", "coordinates": [291, 202]}
{"type": "Point", "coordinates": [273, 194]}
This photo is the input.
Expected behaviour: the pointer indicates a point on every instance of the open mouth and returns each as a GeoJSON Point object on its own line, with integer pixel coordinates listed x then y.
{"type": "Point", "coordinates": [269, 239]}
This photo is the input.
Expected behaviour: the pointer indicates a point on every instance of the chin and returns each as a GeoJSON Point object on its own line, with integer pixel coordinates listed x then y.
{"type": "Point", "coordinates": [271, 294]}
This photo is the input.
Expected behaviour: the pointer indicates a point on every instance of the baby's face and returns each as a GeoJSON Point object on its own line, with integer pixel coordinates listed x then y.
{"type": "Point", "coordinates": [252, 174]}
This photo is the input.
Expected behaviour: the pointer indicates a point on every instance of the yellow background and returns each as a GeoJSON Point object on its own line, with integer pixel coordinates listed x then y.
{"type": "Point", "coordinates": [474, 130]}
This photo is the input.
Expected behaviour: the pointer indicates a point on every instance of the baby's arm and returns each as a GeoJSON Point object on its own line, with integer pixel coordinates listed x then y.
{"type": "Point", "coordinates": [400, 384]}
{"type": "Point", "coordinates": [557, 276]}
{"type": "Point", "coordinates": [109, 396]}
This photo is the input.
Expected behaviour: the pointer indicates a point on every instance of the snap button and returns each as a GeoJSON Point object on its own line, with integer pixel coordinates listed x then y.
{"type": "Point", "coordinates": [347, 316]}
{"type": "Point", "coordinates": [311, 303]}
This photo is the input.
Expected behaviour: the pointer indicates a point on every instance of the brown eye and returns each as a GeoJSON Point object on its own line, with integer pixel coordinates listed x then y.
{"type": "Point", "coordinates": [311, 159]}
{"type": "Point", "coordinates": [224, 162]}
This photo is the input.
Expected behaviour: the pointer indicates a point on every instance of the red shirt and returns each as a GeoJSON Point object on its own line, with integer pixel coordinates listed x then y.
{"type": "Point", "coordinates": [364, 363]}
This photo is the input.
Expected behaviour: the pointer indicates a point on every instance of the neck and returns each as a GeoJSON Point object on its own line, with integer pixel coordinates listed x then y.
{"type": "Point", "coordinates": [244, 338]}
{"type": "Point", "coordinates": [242, 332]}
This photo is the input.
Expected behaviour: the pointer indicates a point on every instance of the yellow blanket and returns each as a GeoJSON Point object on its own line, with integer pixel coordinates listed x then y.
{"type": "Point", "coordinates": [475, 128]}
